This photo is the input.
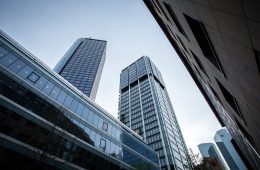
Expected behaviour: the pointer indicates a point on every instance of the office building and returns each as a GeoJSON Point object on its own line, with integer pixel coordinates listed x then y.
{"type": "Point", "coordinates": [224, 143]}
{"type": "Point", "coordinates": [82, 65]}
{"type": "Point", "coordinates": [145, 107]}
{"type": "Point", "coordinates": [209, 150]}
{"type": "Point", "coordinates": [218, 42]}
{"type": "Point", "coordinates": [47, 123]}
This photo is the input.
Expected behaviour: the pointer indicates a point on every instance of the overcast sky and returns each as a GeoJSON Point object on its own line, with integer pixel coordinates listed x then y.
{"type": "Point", "coordinates": [48, 28]}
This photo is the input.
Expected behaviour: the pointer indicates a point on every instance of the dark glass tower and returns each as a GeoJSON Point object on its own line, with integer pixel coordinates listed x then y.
{"type": "Point", "coordinates": [145, 107]}
{"type": "Point", "coordinates": [82, 65]}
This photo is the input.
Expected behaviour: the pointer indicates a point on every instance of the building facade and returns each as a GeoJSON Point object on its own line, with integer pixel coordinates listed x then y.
{"type": "Point", "coordinates": [47, 123]}
{"type": "Point", "coordinates": [224, 143]}
{"type": "Point", "coordinates": [145, 107]}
{"type": "Point", "coordinates": [82, 65]}
{"type": "Point", "coordinates": [218, 42]}
{"type": "Point", "coordinates": [209, 150]}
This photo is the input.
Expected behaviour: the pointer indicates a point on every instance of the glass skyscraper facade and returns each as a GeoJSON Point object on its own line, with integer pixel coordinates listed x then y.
{"type": "Point", "coordinates": [145, 107]}
{"type": "Point", "coordinates": [82, 65]}
{"type": "Point", "coordinates": [47, 123]}
{"type": "Point", "coordinates": [225, 144]}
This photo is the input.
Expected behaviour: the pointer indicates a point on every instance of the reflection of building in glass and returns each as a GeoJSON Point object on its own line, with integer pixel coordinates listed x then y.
{"type": "Point", "coordinates": [225, 145]}
{"type": "Point", "coordinates": [47, 123]}
{"type": "Point", "coordinates": [145, 107]}
{"type": "Point", "coordinates": [82, 65]}
{"type": "Point", "coordinates": [218, 42]}
{"type": "Point", "coordinates": [210, 152]}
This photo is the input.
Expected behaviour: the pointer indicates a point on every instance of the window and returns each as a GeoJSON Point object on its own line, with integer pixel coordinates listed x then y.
{"type": "Point", "coordinates": [231, 100]}
{"type": "Point", "coordinates": [257, 58]}
{"type": "Point", "coordinates": [102, 144]}
{"type": "Point", "coordinates": [204, 42]}
{"type": "Point", "coordinates": [105, 126]}
{"type": "Point", "coordinates": [3, 52]}
{"type": "Point", "coordinates": [25, 72]}
{"type": "Point", "coordinates": [33, 77]}
{"type": "Point", "coordinates": [8, 59]}
{"type": "Point", "coordinates": [174, 18]}
{"type": "Point", "coordinates": [16, 66]}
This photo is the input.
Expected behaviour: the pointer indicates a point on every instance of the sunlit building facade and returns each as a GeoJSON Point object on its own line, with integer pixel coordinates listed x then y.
{"type": "Point", "coordinates": [145, 107]}
{"type": "Point", "coordinates": [47, 123]}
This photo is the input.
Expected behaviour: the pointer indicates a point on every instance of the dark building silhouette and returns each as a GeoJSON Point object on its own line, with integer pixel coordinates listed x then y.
{"type": "Point", "coordinates": [218, 42]}
{"type": "Point", "coordinates": [145, 107]}
{"type": "Point", "coordinates": [47, 123]}
{"type": "Point", "coordinates": [82, 65]}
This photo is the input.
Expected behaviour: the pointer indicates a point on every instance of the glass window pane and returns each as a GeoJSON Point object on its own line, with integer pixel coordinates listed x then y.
{"type": "Point", "coordinates": [100, 123]}
{"type": "Point", "coordinates": [90, 117]}
{"type": "Point", "coordinates": [48, 87]}
{"type": "Point", "coordinates": [92, 136]}
{"type": "Point", "coordinates": [55, 92]}
{"type": "Point", "coordinates": [102, 144]}
{"type": "Point", "coordinates": [68, 101]}
{"type": "Point", "coordinates": [33, 77]}
{"type": "Point", "coordinates": [97, 140]}
{"type": "Point", "coordinates": [85, 113]}
{"type": "Point", "coordinates": [41, 83]}
{"type": "Point", "coordinates": [16, 66]}
{"type": "Point", "coordinates": [95, 120]}
{"type": "Point", "coordinates": [79, 109]}
{"type": "Point", "coordinates": [112, 149]}
{"type": "Point", "coordinates": [8, 59]}
{"type": "Point", "coordinates": [62, 97]}
{"type": "Point", "coordinates": [105, 126]}
{"type": "Point", "coordinates": [3, 52]}
{"type": "Point", "coordinates": [108, 145]}
{"type": "Point", "coordinates": [25, 72]}
{"type": "Point", "coordinates": [74, 105]}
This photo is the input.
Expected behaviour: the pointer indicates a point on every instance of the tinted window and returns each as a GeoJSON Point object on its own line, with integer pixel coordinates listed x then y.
{"type": "Point", "coordinates": [85, 113]}
{"type": "Point", "coordinates": [41, 83]}
{"type": "Point", "coordinates": [3, 52]}
{"type": "Point", "coordinates": [55, 92]}
{"type": "Point", "coordinates": [68, 101]}
{"type": "Point", "coordinates": [90, 117]}
{"type": "Point", "coordinates": [79, 109]}
{"type": "Point", "coordinates": [74, 105]}
{"type": "Point", "coordinates": [16, 66]}
{"type": "Point", "coordinates": [48, 87]}
{"type": "Point", "coordinates": [33, 77]}
{"type": "Point", "coordinates": [62, 97]}
{"type": "Point", "coordinates": [25, 72]}
{"type": "Point", "coordinates": [8, 59]}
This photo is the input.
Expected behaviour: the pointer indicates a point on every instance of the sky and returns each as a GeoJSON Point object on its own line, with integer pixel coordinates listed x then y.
{"type": "Point", "coordinates": [48, 28]}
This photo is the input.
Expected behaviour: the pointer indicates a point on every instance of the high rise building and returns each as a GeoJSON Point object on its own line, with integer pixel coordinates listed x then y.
{"type": "Point", "coordinates": [47, 123]}
{"type": "Point", "coordinates": [82, 65]}
{"type": "Point", "coordinates": [209, 150]}
{"type": "Point", "coordinates": [218, 42]}
{"type": "Point", "coordinates": [145, 107]}
{"type": "Point", "coordinates": [224, 143]}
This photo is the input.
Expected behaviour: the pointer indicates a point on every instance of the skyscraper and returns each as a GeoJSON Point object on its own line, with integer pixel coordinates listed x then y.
{"type": "Point", "coordinates": [218, 42]}
{"type": "Point", "coordinates": [82, 65]}
{"type": "Point", "coordinates": [226, 147]}
{"type": "Point", "coordinates": [47, 123]}
{"type": "Point", "coordinates": [209, 150]}
{"type": "Point", "coordinates": [145, 107]}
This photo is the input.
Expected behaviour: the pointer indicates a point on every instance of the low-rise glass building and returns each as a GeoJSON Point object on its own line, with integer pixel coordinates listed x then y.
{"type": "Point", "coordinates": [46, 123]}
